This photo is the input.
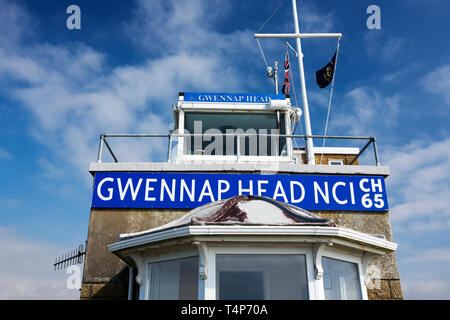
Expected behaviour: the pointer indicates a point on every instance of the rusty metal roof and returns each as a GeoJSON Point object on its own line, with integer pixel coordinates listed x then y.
{"type": "Point", "coordinates": [242, 210]}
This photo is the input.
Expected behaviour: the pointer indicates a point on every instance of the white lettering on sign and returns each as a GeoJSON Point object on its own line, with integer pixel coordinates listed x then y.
{"type": "Point", "coordinates": [220, 190]}
{"type": "Point", "coordinates": [110, 190]}
{"type": "Point", "coordinates": [148, 188]}
{"type": "Point", "coordinates": [129, 184]}
{"type": "Point", "coordinates": [352, 193]}
{"type": "Point", "coordinates": [124, 190]}
{"type": "Point", "coordinates": [279, 191]}
{"type": "Point", "coordinates": [361, 185]}
{"type": "Point", "coordinates": [376, 185]}
{"type": "Point", "coordinates": [302, 188]}
{"type": "Point", "coordinates": [190, 193]}
{"type": "Point", "coordinates": [170, 192]}
{"type": "Point", "coordinates": [206, 185]}
{"type": "Point", "coordinates": [325, 195]}
{"type": "Point", "coordinates": [249, 190]}
{"type": "Point", "coordinates": [260, 188]}
{"type": "Point", "coordinates": [333, 192]}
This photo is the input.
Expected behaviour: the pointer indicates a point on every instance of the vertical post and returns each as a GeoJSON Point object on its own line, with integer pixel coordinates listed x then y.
{"type": "Point", "coordinates": [169, 151]}
{"type": "Point", "coordinates": [377, 161]}
{"type": "Point", "coordinates": [309, 143]}
{"type": "Point", "coordinates": [130, 283]}
{"type": "Point", "coordinates": [275, 75]}
{"type": "Point", "coordinates": [100, 149]}
{"type": "Point", "coordinates": [238, 146]}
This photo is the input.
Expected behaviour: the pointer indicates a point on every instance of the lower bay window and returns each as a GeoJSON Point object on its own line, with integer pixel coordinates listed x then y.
{"type": "Point", "coordinates": [237, 273]}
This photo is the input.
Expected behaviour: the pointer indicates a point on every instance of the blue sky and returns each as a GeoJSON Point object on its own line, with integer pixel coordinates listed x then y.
{"type": "Point", "coordinates": [60, 88]}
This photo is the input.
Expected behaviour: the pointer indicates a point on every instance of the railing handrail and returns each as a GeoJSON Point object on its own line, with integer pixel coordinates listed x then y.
{"type": "Point", "coordinates": [170, 136]}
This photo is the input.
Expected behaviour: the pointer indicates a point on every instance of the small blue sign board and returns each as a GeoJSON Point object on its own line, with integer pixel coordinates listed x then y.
{"type": "Point", "coordinates": [232, 97]}
{"type": "Point", "coordinates": [190, 190]}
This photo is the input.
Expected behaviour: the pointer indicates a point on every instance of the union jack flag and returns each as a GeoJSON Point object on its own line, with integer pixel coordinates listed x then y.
{"type": "Point", "coordinates": [286, 86]}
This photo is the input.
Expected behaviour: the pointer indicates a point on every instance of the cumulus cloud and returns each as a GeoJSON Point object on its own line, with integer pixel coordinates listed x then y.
{"type": "Point", "coordinates": [27, 272]}
{"type": "Point", "coordinates": [426, 290]}
{"type": "Point", "coordinates": [383, 47]}
{"type": "Point", "coordinates": [420, 175]}
{"type": "Point", "coordinates": [419, 198]}
{"type": "Point", "coordinates": [74, 97]}
{"type": "Point", "coordinates": [5, 154]}
{"type": "Point", "coordinates": [366, 111]}
{"type": "Point", "coordinates": [438, 82]}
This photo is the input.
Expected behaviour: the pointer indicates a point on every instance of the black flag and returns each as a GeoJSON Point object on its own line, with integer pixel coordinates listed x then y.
{"type": "Point", "coordinates": [325, 75]}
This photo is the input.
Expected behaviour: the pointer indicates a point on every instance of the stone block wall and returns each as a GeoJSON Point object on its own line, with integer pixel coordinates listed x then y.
{"type": "Point", "coordinates": [105, 276]}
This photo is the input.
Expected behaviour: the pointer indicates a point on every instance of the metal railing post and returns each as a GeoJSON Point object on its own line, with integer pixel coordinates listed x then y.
{"type": "Point", "coordinates": [375, 150]}
{"type": "Point", "coordinates": [169, 151]}
{"type": "Point", "coordinates": [360, 152]}
{"type": "Point", "coordinates": [100, 149]}
{"type": "Point", "coordinates": [238, 147]}
{"type": "Point", "coordinates": [109, 148]}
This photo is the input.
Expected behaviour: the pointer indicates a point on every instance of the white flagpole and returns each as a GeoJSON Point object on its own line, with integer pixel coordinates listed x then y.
{"type": "Point", "coordinates": [310, 158]}
{"type": "Point", "coordinates": [309, 143]}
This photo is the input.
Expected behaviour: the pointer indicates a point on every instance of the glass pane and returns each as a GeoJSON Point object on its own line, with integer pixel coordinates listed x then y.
{"type": "Point", "coordinates": [340, 280]}
{"type": "Point", "coordinates": [261, 277]}
{"type": "Point", "coordinates": [249, 124]}
{"type": "Point", "coordinates": [174, 279]}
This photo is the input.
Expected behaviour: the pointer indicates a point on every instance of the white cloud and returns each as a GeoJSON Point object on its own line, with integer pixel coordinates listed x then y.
{"type": "Point", "coordinates": [438, 82]}
{"type": "Point", "coordinates": [5, 154]}
{"type": "Point", "coordinates": [378, 45]}
{"type": "Point", "coordinates": [26, 269]}
{"type": "Point", "coordinates": [426, 290]}
{"type": "Point", "coordinates": [73, 97]}
{"type": "Point", "coordinates": [402, 73]}
{"type": "Point", "coordinates": [430, 255]}
{"type": "Point", "coordinates": [420, 175]}
{"type": "Point", "coordinates": [365, 110]}
{"type": "Point", "coordinates": [10, 203]}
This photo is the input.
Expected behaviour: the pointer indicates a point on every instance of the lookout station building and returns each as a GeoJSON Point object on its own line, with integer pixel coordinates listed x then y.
{"type": "Point", "coordinates": [235, 212]}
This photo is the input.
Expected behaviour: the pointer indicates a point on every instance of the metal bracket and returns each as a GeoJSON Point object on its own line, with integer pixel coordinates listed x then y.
{"type": "Point", "coordinates": [203, 259]}
{"type": "Point", "coordinates": [139, 261]}
{"type": "Point", "coordinates": [317, 259]}
{"type": "Point", "coordinates": [367, 257]}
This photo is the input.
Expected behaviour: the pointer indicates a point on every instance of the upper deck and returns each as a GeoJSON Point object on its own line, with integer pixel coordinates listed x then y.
{"type": "Point", "coordinates": [223, 132]}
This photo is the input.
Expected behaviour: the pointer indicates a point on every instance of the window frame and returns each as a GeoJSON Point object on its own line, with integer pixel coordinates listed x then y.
{"type": "Point", "coordinates": [247, 250]}
{"type": "Point", "coordinates": [207, 289]}
{"type": "Point", "coordinates": [346, 257]}
{"type": "Point", "coordinates": [181, 156]}
{"type": "Point", "coordinates": [144, 293]}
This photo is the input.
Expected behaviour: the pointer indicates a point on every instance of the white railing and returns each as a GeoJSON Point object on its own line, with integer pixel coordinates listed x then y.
{"type": "Point", "coordinates": [174, 136]}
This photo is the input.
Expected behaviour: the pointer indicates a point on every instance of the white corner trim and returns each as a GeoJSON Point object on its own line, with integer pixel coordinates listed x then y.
{"type": "Point", "coordinates": [216, 230]}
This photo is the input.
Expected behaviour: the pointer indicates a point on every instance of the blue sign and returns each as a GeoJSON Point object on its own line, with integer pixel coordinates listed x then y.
{"type": "Point", "coordinates": [190, 190]}
{"type": "Point", "coordinates": [232, 97]}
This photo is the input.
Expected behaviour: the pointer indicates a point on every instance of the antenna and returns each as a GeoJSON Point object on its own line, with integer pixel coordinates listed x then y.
{"type": "Point", "coordinates": [273, 74]}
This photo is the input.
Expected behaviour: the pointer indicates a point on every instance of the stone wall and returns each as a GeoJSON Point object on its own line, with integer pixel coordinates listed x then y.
{"type": "Point", "coordinates": [105, 276]}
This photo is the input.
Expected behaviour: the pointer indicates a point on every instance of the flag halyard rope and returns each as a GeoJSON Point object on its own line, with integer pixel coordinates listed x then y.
{"type": "Point", "coordinates": [329, 100]}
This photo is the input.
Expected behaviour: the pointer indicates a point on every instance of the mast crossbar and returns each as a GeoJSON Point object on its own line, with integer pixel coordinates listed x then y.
{"type": "Point", "coordinates": [298, 35]}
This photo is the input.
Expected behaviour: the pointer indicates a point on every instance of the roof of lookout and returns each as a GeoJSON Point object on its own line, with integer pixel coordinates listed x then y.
{"type": "Point", "coordinates": [242, 210]}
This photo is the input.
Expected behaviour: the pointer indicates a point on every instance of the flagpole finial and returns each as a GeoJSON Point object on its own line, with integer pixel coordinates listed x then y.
{"type": "Point", "coordinates": [272, 73]}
